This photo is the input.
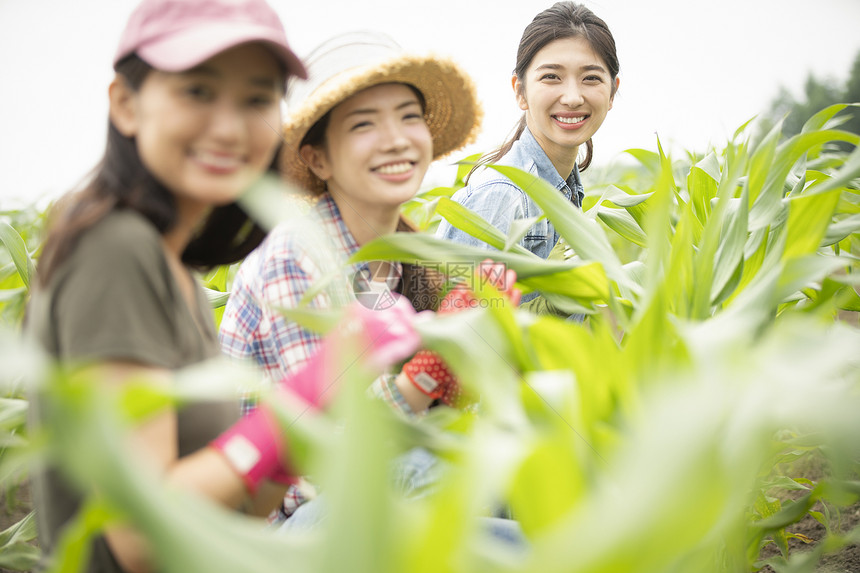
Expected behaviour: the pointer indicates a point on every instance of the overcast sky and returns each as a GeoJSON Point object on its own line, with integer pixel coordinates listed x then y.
{"type": "Point", "coordinates": [691, 71]}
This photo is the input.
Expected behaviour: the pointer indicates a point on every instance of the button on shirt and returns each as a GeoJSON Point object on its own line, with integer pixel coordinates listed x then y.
{"type": "Point", "coordinates": [498, 200]}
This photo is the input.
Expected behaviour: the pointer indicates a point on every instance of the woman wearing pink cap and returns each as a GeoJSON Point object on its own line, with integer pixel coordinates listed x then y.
{"type": "Point", "coordinates": [197, 90]}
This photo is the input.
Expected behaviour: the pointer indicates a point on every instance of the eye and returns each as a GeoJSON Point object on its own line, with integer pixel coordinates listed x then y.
{"type": "Point", "coordinates": [199, 92]}
{"type": "Point", "coordinates": [361, 125]}
{"type": "Point", "coordinates": [594, 79]}
{"type": "Point", "coordinates": [413, 116]}
{"type": "Point", "coordinates": [549, 76]}
{"type": "Point", "coordinates": [261, 100]}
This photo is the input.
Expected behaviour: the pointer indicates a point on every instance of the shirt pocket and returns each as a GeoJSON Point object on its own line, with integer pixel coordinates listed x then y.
{"type": "Point", "coordinates": [536, 238]}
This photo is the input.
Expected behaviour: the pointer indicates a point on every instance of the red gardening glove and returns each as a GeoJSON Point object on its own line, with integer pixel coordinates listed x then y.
{"type": "Point", "coordinates": [429, 373]}
{"type": "Point", "coordinates": [256, 447]}
{"type": "Point", "coordinates": [460, 297]}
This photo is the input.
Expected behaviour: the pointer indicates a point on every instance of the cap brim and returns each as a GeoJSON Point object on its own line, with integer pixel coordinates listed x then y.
{"type": "Point", "coordinates": [183, 51]}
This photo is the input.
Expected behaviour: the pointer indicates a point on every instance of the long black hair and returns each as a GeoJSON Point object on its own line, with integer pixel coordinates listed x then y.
{"type": "Point", "coordinates": [121, 181]}
{"type": "Point", "coordinates": [561, 20]}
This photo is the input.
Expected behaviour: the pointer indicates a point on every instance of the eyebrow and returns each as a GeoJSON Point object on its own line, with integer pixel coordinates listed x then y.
{"type": "Point", "coordinates": [367, 110]}
{"type": "Point", "coordinates": [258, 81]}
{"type": "Point", "coordinates": [586, 68]}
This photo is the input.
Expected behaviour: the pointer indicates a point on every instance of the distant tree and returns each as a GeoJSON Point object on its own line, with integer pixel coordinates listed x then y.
{"type": "Point", "coordinates": [817, 95]}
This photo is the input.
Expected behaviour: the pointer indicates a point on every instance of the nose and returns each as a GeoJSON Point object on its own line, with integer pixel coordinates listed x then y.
{"type": "Point", "coordinates": [572, 95]}
{"type": "Point", "coordinates": [226, 122]}
{"type": "Point", "coordinates": [394, 136]}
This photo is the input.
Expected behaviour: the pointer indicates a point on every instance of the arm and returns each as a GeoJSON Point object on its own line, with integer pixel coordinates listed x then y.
{"type": "Point", "coordinates": [154, 444]}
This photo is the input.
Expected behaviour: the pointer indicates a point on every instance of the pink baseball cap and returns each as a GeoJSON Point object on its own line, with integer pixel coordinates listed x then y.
{"type": "Point", "coordinates": [176, 35]}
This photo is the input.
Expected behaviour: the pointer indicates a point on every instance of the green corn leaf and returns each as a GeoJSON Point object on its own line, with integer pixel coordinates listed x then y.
{"type": "Point", "coordinates": [761, 161]}
{"type": "Point", "coordinates": [766, 206]}
{"type": "Point", "coordinates": [13, 412]}
{"type": "Point", "coordinates": [849, 171]}
{"type": "Point", "coordinates": [583, 234]}
{"type": "Point", "coordinates": [519, 229]}
{"type": "Point", "coordinates": [547, 485]}
{"type": "Point", "coordinates": [728, 261]}
{"type": "Point", "coordinates": [23, 531]}
{"type": "Point", "coordinates": [840, 230]}
{"type": "Point", "coordinates": [18, 251]}
{"type": "Point", "coordinates": [647, 158]}
{"type": "Point", "coordinates": [809, 216]}
{"type": "Point", "coordinates": [217, 299]}
{"type": "Point", "coordinates": [470, 222]}
{"type": "Point", "coordinates": [624, 224]}
{"type": "Point", "coordinates": [702, 184]}
{"type": "Point", "coordinates": [820, 119]}
{"type": "Point", "coordinates": [623, 199]}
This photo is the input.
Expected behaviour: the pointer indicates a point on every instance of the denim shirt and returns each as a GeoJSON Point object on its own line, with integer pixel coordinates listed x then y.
{"type": "Point", "coordinates": [498, 200]}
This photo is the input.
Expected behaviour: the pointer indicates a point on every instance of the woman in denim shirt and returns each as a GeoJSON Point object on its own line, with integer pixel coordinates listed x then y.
{"type": "Point", "coordinates": [565, 81]}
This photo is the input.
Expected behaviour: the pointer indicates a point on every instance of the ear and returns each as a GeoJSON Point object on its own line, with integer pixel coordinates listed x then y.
{"type": "Point", "coordinates": [617, 85]}
{"type": "Point", "coordinates": [123, 108]}
{"type": "Point", "coordinates": [316, 158]}
{"type": "Point", "coordinates": [519, 92]}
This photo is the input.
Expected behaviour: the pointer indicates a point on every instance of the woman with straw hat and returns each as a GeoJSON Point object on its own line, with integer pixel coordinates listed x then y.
{"type": "Point", "coordinates": [360, 135]}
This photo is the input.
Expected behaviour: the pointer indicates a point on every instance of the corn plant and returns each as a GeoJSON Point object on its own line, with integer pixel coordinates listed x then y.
{"type": "Point", "coordinates": [658, 435]}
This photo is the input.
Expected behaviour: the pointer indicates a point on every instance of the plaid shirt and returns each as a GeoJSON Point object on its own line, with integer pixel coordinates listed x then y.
{"type": "Point", "coordinates": [295, 256]}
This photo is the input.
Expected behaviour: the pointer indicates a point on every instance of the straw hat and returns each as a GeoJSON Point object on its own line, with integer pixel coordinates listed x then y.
{"type": "Point", "coordinates": [348, 64]}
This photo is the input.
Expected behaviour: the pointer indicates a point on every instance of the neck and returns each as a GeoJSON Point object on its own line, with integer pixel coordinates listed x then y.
{"type": "Point", "coordinates": [366, 222]}
{"type": "Point", "coordinates": [188, 216]}
{"type": "Point", "coordinates": [562, 158]}
{"type": "Point", "coordinates": [564, 162]}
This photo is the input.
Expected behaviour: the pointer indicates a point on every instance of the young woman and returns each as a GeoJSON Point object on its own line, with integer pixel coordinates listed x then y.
{"type": "Point", "coordinates": [198, 86]}
{"type": "Point", "coordinates": [565, 80]}
{"type": "Point", "coordinates": [360, 135]}
{"type": "Point", "coordinates": [359, 138]}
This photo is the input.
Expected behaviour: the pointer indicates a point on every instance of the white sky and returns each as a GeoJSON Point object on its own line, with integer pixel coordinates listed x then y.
{"type": "Point", "coordinates": [692, 71]}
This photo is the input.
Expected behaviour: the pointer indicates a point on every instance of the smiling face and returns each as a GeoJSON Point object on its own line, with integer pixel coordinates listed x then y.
{"type": "Point", "coordinates": [377, 149]}
{"type": "Point", "coordinates": [566, 94]}
{"type": "Point", "coordinates": [207, 133]}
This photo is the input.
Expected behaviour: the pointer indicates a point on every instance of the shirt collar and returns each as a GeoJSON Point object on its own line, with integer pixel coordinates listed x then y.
{"type": "Point", "coordinates": [528, 147]}
{"type": "Point", "coordinates": [330, 216]}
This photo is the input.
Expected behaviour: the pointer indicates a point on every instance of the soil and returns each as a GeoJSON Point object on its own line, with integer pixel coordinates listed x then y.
{"type": "Point", "coordinates": [14, 508]}
{"type": "Point", "coordinates": [847, 560]}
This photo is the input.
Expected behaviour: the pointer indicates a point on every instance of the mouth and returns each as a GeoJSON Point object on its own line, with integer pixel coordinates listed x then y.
{"type": "Point", "coordinates": [398, 168]}
{"type": "Point", "coordinates": [218, 162]}
{"type": "Point", "coordinates": [570, 121]}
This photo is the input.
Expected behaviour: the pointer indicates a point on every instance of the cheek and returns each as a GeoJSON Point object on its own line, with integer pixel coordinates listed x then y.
{"type": "Point", "coordinates": [265, 139]}
{"type": "Point", "coordinates": [423, 141]}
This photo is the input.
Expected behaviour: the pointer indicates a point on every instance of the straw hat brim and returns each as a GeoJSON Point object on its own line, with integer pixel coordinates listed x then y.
{"type": "Point", "coordinates": [452, 110]}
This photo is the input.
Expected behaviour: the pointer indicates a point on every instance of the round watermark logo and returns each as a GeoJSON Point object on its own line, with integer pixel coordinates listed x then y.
{"type": "Point", "coordinates": [376, 289]}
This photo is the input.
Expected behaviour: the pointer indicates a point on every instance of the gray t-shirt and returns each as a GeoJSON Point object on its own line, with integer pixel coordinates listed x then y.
{"type": "Point", "coordinates": [115, 299]}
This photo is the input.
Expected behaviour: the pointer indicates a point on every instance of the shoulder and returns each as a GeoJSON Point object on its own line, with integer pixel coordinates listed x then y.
{"type": "Point", "coordinates": [119, 242]}
{"type": "Point", "coordinates": [484, 183]}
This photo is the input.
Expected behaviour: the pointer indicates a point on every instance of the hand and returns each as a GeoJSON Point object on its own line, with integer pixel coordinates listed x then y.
{"type": "Point", "coordinates": [431, 375]}
{"type": "Point", "coordinates": [427, 371]}
{"type": "Point", "coordinates": [256, 447]}
{"type": "Point", "coordinates": [496, 274]}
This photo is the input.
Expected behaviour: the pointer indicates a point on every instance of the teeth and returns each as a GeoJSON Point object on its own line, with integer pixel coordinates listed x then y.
{"type": "Point", "coordinates": [395, 168]}
{"type": "Point", "coordinates": [219, 161]}
{"type": "Point", "coordinates": [571, 119]}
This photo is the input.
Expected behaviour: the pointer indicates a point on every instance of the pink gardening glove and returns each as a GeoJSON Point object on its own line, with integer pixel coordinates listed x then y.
{"type": "Point", "coordinates": [427, 371]}
{"type": "Point", "coordinates": [387, 337]}
{"type": "Point", "coordinates": [255, 445]}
